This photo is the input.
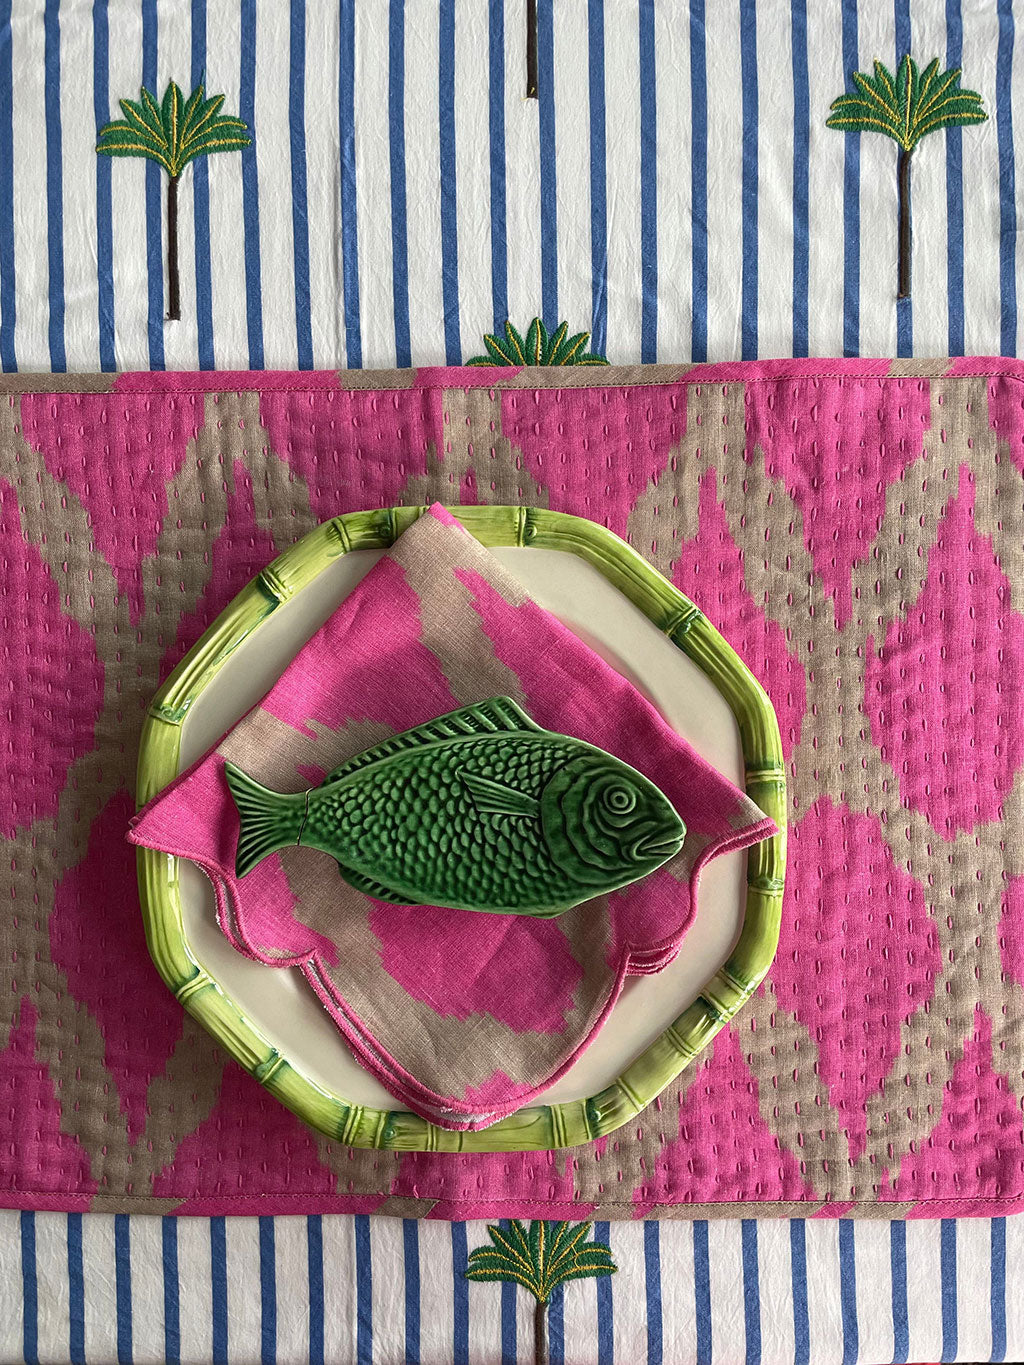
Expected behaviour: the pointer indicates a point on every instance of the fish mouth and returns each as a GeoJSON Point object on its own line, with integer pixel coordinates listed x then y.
{"type": "Point", "coordinates": [659, 846]}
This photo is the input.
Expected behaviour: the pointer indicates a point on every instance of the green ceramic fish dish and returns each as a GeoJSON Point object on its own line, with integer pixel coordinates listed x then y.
{"type": "Point", "coordinates": [480, 809]}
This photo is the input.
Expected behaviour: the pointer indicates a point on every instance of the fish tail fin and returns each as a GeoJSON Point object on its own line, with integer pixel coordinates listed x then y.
{"type": "Point", "coordinates": [269, 820]}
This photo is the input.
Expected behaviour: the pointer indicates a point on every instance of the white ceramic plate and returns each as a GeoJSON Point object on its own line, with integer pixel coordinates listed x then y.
{"type": "Point", "coordinates": [278, 1000]}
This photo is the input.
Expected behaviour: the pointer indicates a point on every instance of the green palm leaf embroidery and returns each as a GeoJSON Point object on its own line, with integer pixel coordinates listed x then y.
{"type": "Point", "coordinates": [173, 133]}
{"type": "Point", "coordinates": [546, 1254]}
{"type": "Point", "coordinates": [538, 347]}
{"type": "Point", "coordinates": [906, 107]}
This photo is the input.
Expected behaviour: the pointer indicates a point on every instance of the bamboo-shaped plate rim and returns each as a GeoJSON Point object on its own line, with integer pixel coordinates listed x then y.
{"type": "Point", "coordinates": [539, 1127]}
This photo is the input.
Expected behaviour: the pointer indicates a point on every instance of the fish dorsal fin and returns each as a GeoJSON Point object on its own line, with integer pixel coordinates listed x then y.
{"type": "Point", "coordinates": [498, 715]}
{"type": "Point", "coordinates": [494, 798]}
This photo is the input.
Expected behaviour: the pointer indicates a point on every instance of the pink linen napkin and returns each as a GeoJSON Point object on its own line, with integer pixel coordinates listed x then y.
{"type": "Point", "coordinates": [463, 1016]}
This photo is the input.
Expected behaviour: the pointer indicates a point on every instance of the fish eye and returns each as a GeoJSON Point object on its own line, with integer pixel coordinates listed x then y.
{"type": "Point", "coordinates": [620, 800]}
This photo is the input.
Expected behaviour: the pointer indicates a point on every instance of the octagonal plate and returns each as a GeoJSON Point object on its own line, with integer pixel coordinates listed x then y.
{"type": "Point", "coordinates": [606, 593]}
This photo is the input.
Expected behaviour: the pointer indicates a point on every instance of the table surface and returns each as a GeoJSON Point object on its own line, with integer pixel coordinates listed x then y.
{"type": "Point", "coordinates": [675, 190]}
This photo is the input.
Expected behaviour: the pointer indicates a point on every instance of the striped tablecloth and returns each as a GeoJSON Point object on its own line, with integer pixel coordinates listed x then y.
{"type": "Point", "coordinates": [101, 1288]}
{"type": "Point", "coordinates": [673, 186]}
{"type": "Point", "coordinates": [674, 189]}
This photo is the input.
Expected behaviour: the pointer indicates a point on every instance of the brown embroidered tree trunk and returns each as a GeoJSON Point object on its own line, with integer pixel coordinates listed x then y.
{"type": "Point", "coordinates": [531, 49]}
{"type": "Point", "coordinates": [540, 1333]}
{"type": "Point", "coordinates": [903, 171]}
{"type": "Point", "coordinates": [173, 298]}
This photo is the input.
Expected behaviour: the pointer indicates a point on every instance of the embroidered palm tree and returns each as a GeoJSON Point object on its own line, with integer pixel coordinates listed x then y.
{"type": "Point", "coordinates": [906, 108]}
{"type": "Point", "coordinates": [541, 1258]}
{"type": "Point", "coordinates": [539, 347]}
{"type": "Point", "coordinates": [173, 133]}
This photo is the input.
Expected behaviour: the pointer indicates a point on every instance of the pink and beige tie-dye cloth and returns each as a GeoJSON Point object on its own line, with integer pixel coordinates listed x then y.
{"type": "Point", "coordinates": [855, 530]}
{"type": "Point", "coordinates": [463, 1017]}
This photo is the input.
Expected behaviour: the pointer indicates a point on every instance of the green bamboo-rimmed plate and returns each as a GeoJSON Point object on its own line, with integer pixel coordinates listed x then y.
{"type": "Point", "coordinates": [539, 1127]}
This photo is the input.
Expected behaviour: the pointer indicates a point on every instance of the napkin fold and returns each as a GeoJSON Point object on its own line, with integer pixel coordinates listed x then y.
{"type": "Point", "coordinates": [464, 1017]}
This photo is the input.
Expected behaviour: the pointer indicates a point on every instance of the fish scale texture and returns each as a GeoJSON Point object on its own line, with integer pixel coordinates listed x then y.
{"type": "Point", "coordinates": [455, 848]}
{"type": "Point", "coordinates": [415, 826]}
{"type": "Point", "coordinates": [853, 527]}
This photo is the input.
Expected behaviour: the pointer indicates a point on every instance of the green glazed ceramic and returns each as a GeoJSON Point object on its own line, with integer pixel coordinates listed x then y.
{"type": "Point", "coordinates": [520, 821]}
{"type": "Point", "coordinates": [543, 1126]}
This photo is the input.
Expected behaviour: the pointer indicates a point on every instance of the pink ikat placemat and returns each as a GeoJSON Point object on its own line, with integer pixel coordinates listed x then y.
{"type": "Point", "coordinates": [855, 529]}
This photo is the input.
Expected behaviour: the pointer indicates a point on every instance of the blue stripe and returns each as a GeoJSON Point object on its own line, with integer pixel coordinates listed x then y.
{"type": "Point", "coordinates": [154, 201]}
{"type": "Point", "coordinates": [54, 194]}
{"type": "Point", "coordinates": [848, 1292]}
{"type": "Point", "coordinates": [648, 187]}
{"type": "Point", "coordinates": [315, 1265]}
{"type": "Point", "coordinates": [251, 188]}
{"type": "Point", "coordinates": [104, 202]}
{"type": "Point", "coordinates": [548, 174]}
{"type": "Point", "coordinates": [349, 226]}
{"type": "Point", "coordinates": [904, 307]}
{"type": "Point", "coordinates": [201, 205]}
{"type": "Point", "coordinates": [947, 1260]}
{"type": "Point", "coordinates": [29, 1290]}
{"type": "Point", "coordinates": [449, 193]}
{"type": "Point", "coordinates": [8, 360]}
{"type": "Point", "coordinates": [751, 1291]}
{"type": "Point", "coordinates": [172, 1291]}
{"type": "Point", "coordinates": [396, 142]}
{"type": "Point", "coordinates": [652, 1272]}
{"type": "Point", "coordinates": [268, 1292]}
{"type": "Point", "coordinates": [123, 1286]}
{"type": "Point", "coordinates": [364, 1291]}
{"type": "Point", "coordinates": [954, 195]}
{"type": "Point", "coordinates": [748, 68]}
{"type": "Point", "coordinates": [219, 1289]}
{"type": "Point", "coordinates": [411, 1252]}
{"type": "Point", "coordinates": [556, 1326]}
{"type": "Point", "coordinates": [1007, 182]}
{"type": "Point", "coordinates": [605, 1309]}
{"type": "Point", "coordinates": [508, 1324]}
{"type": "Point", "coordinates": [698, 188]}
{"type": "Point", "coordinates": [300, 212]}
{"type": "Point", "coordinates": [851, 200]}
{"type": "Point", "coordinates": [598, 182]}
{"type": "Point", "coordinates": [509, 1352]}
{"type": "Point", "coordinates": [496, 95]}
{"type": "Point", "coordinates": [460, 1296]}
{"type": "Point", "coordinates": [798, 1274]}
{"type": "Point", "coordinates": [702, 1290]}
{"type": "Point", "coordinates": [997, 1288]}
{"type": "Point", "coordinates": [801, 177]}
{"type": "Point", "coordinates": [76, 1293]}
{"type": "Point", "coordinates": [898, 1275]}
